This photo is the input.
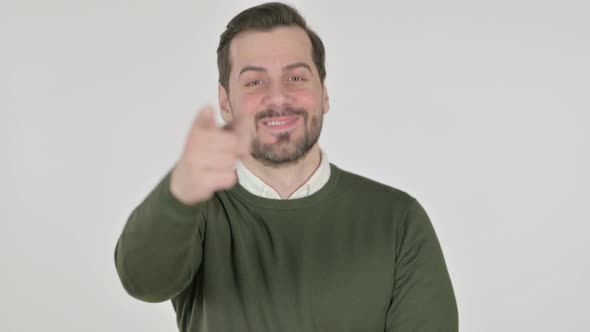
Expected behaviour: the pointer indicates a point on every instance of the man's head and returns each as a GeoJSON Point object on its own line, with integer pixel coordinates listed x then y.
{"type": "Point", "coordinates": [271, 70]}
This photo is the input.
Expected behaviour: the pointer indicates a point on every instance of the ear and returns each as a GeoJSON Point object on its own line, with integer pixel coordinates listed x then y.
{"type": "Point", "coordinates": [224, 105]}
{"type": "Point", "coordinates": [326, 100]}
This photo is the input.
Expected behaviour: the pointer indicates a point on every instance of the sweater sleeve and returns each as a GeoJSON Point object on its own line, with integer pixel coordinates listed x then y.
{"type": "Point", "coordinates": [423, 299]}
{"type": "Point", "coordinates": [161, 246]}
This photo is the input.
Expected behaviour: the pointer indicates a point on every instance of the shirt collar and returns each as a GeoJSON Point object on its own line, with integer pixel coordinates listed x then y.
{"type": "Point", "coordinates": [256, 186]}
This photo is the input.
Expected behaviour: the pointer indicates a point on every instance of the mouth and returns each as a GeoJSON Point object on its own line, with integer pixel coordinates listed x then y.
{"type": "Point", "coordinates": [280, 123]}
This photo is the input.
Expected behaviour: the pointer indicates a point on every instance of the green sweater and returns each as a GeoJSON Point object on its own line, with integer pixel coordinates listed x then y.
{"type": "Point", "coordinates": [356, 255]}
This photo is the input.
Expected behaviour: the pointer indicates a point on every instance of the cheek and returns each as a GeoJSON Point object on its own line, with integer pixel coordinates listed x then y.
{"type": "Point", "coordinates": [252, 99]}
{"type": "Point", "coordinates": [250, 102]}
{"type": "Point", "coordinates": [246, 104]}
{"type": "Point", "coordinates": [307, 99]}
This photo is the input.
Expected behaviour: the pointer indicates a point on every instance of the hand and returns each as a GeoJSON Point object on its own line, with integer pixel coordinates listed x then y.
{"type": "Point", "coordinates": [209, 157]}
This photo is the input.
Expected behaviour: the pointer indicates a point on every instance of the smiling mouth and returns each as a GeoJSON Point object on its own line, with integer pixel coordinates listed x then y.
{"type": "Point", "coordinates": [280, 122]}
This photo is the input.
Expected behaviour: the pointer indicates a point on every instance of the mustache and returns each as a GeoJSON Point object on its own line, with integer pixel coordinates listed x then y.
{"type": "Point", "coordinates": [269, 113]}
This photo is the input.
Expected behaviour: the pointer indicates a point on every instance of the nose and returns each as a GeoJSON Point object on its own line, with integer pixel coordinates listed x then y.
{"type": "Point", "coordinates": [277, 97]}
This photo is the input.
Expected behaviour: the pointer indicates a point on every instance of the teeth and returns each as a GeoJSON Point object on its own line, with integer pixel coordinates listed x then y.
{"type": "Point", "coordinates": [276, 123]}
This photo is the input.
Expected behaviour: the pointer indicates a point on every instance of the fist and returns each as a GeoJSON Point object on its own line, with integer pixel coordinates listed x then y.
{"type": "Point", "coordinates": [208, 160]}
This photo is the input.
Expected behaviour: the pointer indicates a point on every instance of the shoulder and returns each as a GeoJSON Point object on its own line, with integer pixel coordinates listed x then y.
{"type": "Point", "coordinates": [373, 192]}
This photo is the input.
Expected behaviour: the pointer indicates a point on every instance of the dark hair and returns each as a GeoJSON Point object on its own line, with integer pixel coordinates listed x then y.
{"type": "Point", "coordinates": [265, 17]}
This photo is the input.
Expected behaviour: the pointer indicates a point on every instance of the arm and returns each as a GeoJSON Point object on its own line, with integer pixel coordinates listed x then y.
{"type": "Point", "coordinates": [160, 248]}
{"type": "Point", "coordinates": [423, 299]}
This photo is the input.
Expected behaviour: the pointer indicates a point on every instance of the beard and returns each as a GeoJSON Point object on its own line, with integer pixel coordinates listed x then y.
{"type": "Point", "coordinates": [280, 153]}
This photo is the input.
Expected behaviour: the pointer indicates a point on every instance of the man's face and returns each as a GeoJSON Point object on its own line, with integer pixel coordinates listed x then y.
{"type": "Point", "coordinates": [275, 85]}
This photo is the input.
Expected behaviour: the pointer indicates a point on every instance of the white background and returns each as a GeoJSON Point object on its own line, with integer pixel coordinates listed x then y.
{"type": "Point", "coordinates": [480, 109]}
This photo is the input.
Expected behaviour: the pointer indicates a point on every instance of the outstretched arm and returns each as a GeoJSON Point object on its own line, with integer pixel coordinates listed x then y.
{"type": "Point", "coordinates": [160, 248]}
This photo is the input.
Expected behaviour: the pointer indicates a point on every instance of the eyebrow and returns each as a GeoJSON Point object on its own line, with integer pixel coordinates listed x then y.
{"type": "Point", "coordinates": [287, 67]}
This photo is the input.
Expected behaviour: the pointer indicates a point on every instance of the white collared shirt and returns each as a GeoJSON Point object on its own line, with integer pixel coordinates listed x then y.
{"type": "Point", "coordinates": [256, 186]}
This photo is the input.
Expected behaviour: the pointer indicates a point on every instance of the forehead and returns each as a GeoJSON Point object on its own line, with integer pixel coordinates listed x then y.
{"type": "Point", "coordinates": [276, 47]}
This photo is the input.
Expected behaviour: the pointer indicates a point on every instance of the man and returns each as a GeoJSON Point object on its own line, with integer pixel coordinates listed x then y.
{"type": "Point", "coordinates": [254, 230]}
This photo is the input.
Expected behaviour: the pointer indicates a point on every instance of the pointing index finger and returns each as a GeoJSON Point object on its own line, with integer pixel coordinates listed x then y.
{"type": "Point", "coordinates": [205, 119]}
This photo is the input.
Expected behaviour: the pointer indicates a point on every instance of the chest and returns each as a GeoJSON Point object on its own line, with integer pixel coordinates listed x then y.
{"type": "Point", "coordinates": [319, 273]}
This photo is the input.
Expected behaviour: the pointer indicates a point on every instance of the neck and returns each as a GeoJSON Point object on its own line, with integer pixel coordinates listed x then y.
{"type": "Point", "coordinates": [285, 180]}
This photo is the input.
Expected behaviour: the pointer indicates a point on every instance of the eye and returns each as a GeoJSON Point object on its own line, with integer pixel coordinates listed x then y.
{"type": "Point", "coordinates": [254, 83]}
{"type": "Point", "coordinates": [296, 78]}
